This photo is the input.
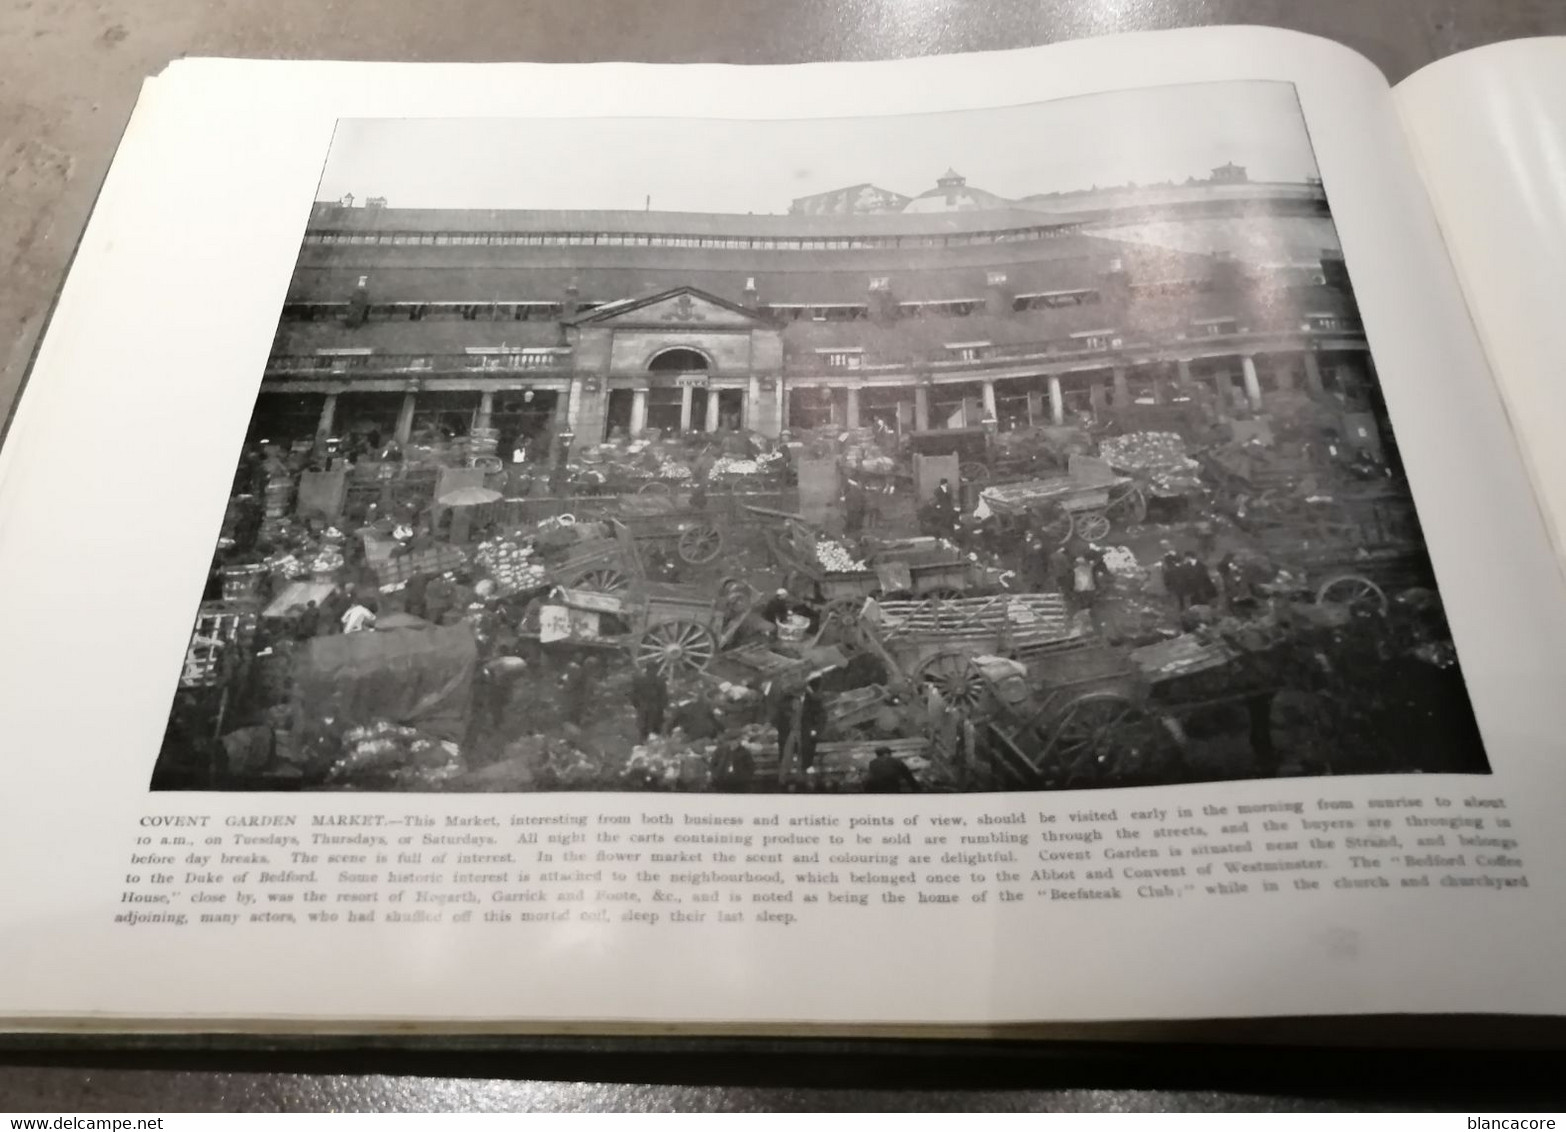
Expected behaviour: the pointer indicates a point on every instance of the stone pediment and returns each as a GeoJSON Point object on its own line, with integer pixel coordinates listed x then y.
{"type": "Point", "coordinates": [684, 308]}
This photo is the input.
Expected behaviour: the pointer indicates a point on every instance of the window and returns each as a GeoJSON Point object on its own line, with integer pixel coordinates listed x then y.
{"type": "Point", "coordinates": [1096, 340]}
{"type": "Point", "coordinates": [880, 283]}
{"type": "Point", "coordinates": [341, 361]}
{"type": "Point", "coordinates": [1215, 327]}
{"type": "Point", "coordinates": [968, 351]}
{"type": "Point", "coordinates": [842, 358]}
{"type": "Point", "coordinates": [1325, 322]}
{"type": "Point", "coordinates": [995, 278]}
{"type": "Point", "coordinates": [1053, 300]}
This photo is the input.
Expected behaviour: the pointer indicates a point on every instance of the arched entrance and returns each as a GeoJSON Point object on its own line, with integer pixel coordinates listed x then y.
{"type": "Point", "coordinates": [678, 401]}
{"type": "Point", "coordinates": [679, 359]}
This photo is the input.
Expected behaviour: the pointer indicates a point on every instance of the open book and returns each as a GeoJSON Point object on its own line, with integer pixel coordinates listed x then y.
{"type": "Point", "coordinates": [1067, 535]}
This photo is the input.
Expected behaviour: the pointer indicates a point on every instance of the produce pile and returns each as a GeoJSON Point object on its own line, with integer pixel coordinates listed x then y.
{"type": "Point", "coordinates": [328, 561]}
{"type": "Point", "coordinates": [509, 561]}
{"type": "Point", "coordinates": [1159, 456]}
{"type": "Point", "coordinates": [672, 761]}
{"type": "Point", "coordinates": [401, 756]}
{"type": "Point", "coordinates": [836, 558]}
{"type": "Point", "coordinates": [286, 564]}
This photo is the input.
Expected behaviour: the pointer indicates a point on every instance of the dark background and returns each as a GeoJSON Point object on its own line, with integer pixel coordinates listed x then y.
{"type": "Point", "coordinates": [69, 74]}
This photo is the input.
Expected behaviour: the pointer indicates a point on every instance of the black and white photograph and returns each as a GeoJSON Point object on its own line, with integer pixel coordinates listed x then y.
{"type": "Point", "coordinates": [1018, 449]}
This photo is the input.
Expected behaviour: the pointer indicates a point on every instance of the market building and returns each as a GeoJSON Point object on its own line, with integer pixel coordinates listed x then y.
{"type": "Point", "coordinates": [950, 308]}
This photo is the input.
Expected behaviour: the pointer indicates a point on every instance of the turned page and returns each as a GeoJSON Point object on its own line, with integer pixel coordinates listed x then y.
{"type": "Point", "coordinates": [1488, 129]}
{"type": "Point", "coordinates": [302, 732]}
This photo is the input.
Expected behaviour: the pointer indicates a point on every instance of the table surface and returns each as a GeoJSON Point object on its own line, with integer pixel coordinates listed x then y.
{"type": "Point", "coordinates": [69, 74]}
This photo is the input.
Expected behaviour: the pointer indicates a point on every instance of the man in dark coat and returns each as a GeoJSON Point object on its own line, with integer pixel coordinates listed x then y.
{"type": "Point", "coordinates": [812, 721]}
{"type": "Point", "coordinates": [781, 711]}
{"type": "Point", "coordinates": [888, 774]}
{"type": "Point", "coordinates": [1176, 580]}
{"type": "Point", "coordinates": [1203, 590]}
{"type": "Point", "coordinates": [733, 768]}
{"type": "Point", "coordinates": [854, 506]}
{"type": "Point", "coordinates": [945, 504]}
{"type": "Point", "coordinates": [309, 623]}
{"type": "Point", "coordinates": [650, 698]}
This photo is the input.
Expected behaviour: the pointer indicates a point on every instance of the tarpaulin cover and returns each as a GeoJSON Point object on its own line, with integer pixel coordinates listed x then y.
{"type": "Point", "coordinates": [420, 678]}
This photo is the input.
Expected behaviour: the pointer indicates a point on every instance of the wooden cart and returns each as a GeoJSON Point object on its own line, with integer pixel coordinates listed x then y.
{"type": "Point", "coordinates": [918, 567]}
{"type": "Point", "coordinates": [678, 629]}
{"type": "Point", "coordinates": [1086, 502]}
{"type": "Point", "coordinates": [1358, 545]}
{"type": "Point", "coordinates": [933, 642]}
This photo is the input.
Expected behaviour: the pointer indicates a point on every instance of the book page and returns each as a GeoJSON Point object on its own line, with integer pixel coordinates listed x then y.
{"type": "Point", "coordinates": [489, 544]}
{"type": "Point", "coordinates": [1488, 129]}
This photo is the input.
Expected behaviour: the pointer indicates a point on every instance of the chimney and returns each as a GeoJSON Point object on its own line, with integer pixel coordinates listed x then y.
{"type": "Point", "coordinates": [359, 303]}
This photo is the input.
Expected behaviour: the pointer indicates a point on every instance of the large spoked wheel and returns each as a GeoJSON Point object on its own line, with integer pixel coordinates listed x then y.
{"type": "Point", "coordinates": [602, 579]}
{"type": "Point", "coordinates": [843, 610]}
{"type": "Point", "coordinates": [1091, 525]}
{"type": "Point", "coordinates": [1359, 594]}
{"type": "Point", "coordinates": [974, 473]}
{"type": "Point", "coordinates": [1054, 526]}
{"type": "Point", "coordinates": [700, 543]}
{"type": "Point", "coordinates": [1106, 738]}
{"type": "Point", "coordinates": [945, 593]}
{"type": "Point", "coordinates": [1130, 508]}
{"type": "Point", "coordinates": [676, 648]}
{"type": "Point", "coordinates": [655, 487]}
{"type": "Point", "coordinates": [955, 677]}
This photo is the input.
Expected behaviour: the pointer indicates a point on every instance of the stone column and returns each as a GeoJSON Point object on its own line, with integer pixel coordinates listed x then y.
{"type": "Point", "coordinates": [783, 396]}
{"type": "Point", "coordinates": [851, 420]}
{"type": "Point", "coordinates": [638, 411]}
{"type": "Point", "coordinates": [712, 409]}
{"type": "Point", "coordinates": [1252, 382]}
{"type": "Point", "coordinates": [1313, 383]}
{"type": "Point", "coordinates": [486, 409]}
{"type": "Point", "coordinates": [1183, 376]}
{"type": "Point", "coordinates": [1122, 380]}
{"type": "Point", "coordinates": [752, 415]}
{"type": "Point", "coordinates": [573, 404]}
{"type": "Point", "coordinates": [921, 408]}
{"type": "Point", "coordinates": [405, 418]}
{"type": "Point", "coordinates": [328, 413]}
{"type": "Point", "coordinates": [1057, 402]}
{"type": "Point", "coordinates": [685, 408]}
{"type": "Point", "coordinates": [990, 412]}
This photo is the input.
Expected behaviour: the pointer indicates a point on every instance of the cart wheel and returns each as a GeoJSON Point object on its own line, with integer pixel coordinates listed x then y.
{"type": "Point", "coordinates": [843, 609]}
{"type": "Point", "coordinates": [945, 593]}
{"type": "Point", "coordinates": [1131, 508]}
{"type": "Point", "coordinates": [954, 676]}
{"type": "Point", "coordinates": [1055, 526]}
{"type": "Point", "coordinates": [655, 487]}
{"type": "Point", "coordinates": [974, 473]}
{"type": "Point", "coordinates": [1360, 594]}
{"type": "Point", "coordinates": [1104, 738]}
{"type": "Point", "coordinates": [700, 543]}
{"type": "Point", "coordinates": [677, 648]}
{"type": "Point", "coordinates": [604, 580]}
{"type": "Point", "coordinates": [1091, 525]}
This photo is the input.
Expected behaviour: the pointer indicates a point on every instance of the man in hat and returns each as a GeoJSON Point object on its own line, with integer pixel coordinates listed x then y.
{"type": "Point", "coordinates": [888, 774]}
{"type": "Point", "coordinates": [777, 608]}
{"type": "Point", "coordinates": [650, 698]}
